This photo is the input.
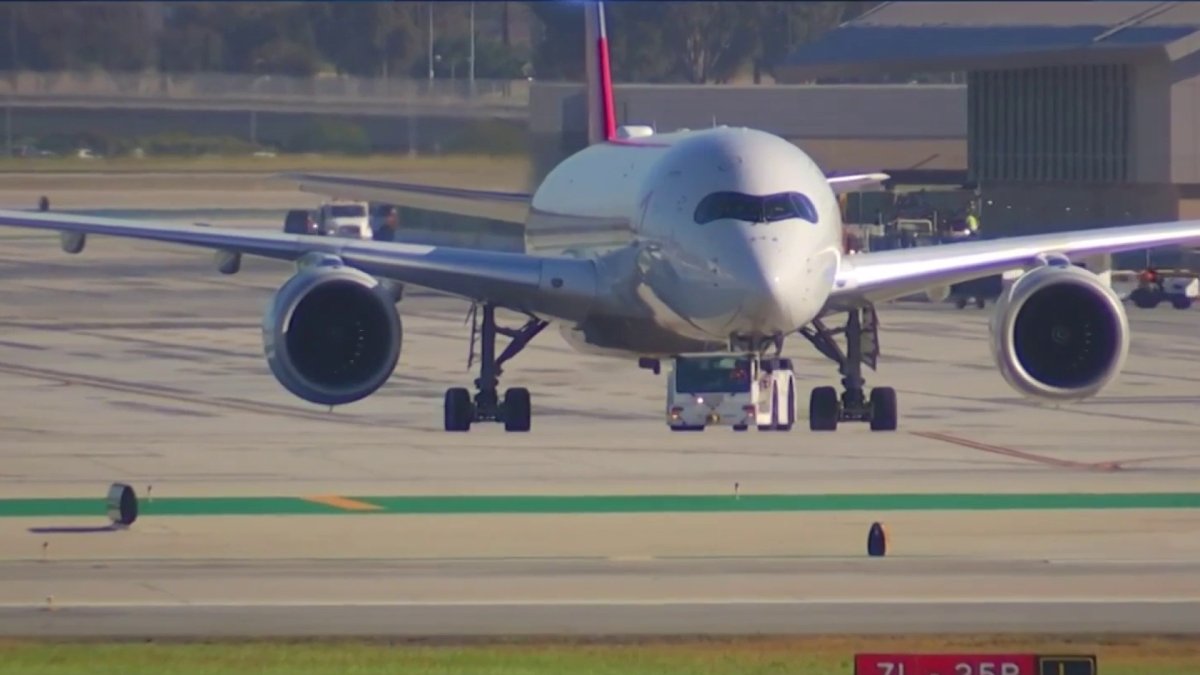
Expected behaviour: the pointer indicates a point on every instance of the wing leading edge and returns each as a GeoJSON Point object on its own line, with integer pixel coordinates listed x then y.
{"type": "Point", "coordinates": [557, 287]}
{"type": "Point", "coordinates": [854, 182]}
{"type": "Point", "coordinates": [512, 207]}
{"type": "Point", "coordinates": [509, 207]}
{"type": "Point", "coordinates": [887, 275]}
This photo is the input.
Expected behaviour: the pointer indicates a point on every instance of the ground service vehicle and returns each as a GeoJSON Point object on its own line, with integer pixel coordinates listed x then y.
{"type": "Point", "coordinates": [345, 219]}
{"type": "Point", "coordinates": [300, 221]}
{"type": "Point", "coordinates": [1154, 288]}
{"type": "Point", "coordinates": [734, 390]}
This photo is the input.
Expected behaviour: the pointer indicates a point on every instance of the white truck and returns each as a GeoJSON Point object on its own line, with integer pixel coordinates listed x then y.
{"type": "Point", "coordinates": [733, 390]}
{"type": "Point", "coordinates": [344, 219]}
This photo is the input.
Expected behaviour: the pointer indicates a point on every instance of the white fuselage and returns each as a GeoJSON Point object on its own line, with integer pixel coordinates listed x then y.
{"type": "Point", "coordinates": [674, 282]}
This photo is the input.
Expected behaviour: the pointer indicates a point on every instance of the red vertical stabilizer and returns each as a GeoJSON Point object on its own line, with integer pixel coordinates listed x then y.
{"type": "Point", "coordinates": [602, 121]}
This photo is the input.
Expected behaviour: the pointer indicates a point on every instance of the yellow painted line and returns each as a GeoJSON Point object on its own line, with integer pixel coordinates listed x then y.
{"type": "Point", "coordinates": [343, 503]}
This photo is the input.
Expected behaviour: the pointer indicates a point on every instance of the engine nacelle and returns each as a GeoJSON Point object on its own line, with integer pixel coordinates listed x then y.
{"type": "Point", "coordinates": [332, 334]}
{"type": "Point", "coordinates": [1059, 333]}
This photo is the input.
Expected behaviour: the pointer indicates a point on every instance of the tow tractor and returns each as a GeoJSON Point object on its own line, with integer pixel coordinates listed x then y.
{"type": "Point", "coordinates": [733, 390]}
{"type": "Point", "coordinates": [1155, 287]}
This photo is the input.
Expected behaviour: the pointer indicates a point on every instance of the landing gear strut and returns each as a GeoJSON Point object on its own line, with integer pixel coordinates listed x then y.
{"type": "Point", "coordinates": [514, 411]}
{"type": "Point", "coordinates": [862, 346]}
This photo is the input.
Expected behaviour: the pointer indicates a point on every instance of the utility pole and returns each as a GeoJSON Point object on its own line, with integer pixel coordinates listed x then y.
{"type": "Point", "coordinates": [431, 42]}
{"type": "Point", "coordinates": [471, 75]}
{"type": "Point", "coordinates": [504, 35]}
{"type": "Point", "coordinates": [12, 38]}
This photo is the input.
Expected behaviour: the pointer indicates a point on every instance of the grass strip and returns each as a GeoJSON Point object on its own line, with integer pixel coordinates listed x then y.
{"type": "Point", "coordinates": [795, 656]}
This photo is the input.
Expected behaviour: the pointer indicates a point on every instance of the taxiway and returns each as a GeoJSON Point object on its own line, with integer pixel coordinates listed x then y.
{"type": "Point", "coordinates": [140, 363]}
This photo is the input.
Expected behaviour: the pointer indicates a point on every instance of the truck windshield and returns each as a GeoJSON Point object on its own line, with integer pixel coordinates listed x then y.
{"type": "Point", "coordinates": [723, 374]}
{"type": "Point", "coordinates": [347, 211]}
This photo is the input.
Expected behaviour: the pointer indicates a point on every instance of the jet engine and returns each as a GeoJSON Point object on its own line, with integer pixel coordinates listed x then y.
{"type": "Point", "coordinates": [1059, 333]}
{"type": "Point", "coordinates": [332, 334]}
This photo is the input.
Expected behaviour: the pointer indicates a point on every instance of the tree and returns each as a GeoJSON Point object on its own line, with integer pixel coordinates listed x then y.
{"type": "Point", "coordinates": [268, 38]}
{"type": "Point", "coordinates": [710, 40]}
{"type": "Point", "coordinates": [784, 26]}
{"type": "Point", "coordinates": [191, 39]}
{"type": "Point", "coordinates": [366, 38]}
{"type": "Point", "coordinates": [696, 42]}
{"type": "Point", "coordinates": [272, 38]}
{"type": "Point", "coordinates": [496, 61]}
{"type": "Point", "coordinates": [636, 47]}
{"type": "Point", "coordinates": [78, 35]}
{"type": "Point", "coordinates": [282, 56]}
{"type": "Point", "coordinates": [636, 37]}
{"type": "Point", "coordinates": [558, 51]}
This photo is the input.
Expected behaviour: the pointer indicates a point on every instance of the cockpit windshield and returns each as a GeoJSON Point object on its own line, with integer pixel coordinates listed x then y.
{"type": "Point", "coordinates": [752, 209]}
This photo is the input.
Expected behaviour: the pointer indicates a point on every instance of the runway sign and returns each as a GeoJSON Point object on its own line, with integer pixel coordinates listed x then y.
{"type": "Point", "coordinates": [973, 664]}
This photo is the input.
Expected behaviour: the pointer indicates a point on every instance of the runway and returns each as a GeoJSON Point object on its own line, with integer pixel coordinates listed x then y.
{"type": "Point", "coordinates": [580, 596]}
{"type": "Point", "coordinates": [263, 515]}
{"type": "Point", "coordinates": [604, 620]}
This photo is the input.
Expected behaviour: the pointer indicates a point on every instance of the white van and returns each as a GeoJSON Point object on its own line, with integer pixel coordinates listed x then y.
{"type": "Point", "coordinates": [344, 219]}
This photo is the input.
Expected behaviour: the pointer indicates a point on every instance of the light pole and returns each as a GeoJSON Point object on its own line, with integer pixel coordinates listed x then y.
{"type": "Point", "coordinates": [431, 42]}
{"type": "Point", "coordinates": [471, 75]}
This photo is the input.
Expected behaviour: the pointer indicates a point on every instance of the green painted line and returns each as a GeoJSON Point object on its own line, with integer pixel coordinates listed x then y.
{"type": "Point", "coordinates": [169, 506]}
{"type": "Point", "coordinates": [545, 504]}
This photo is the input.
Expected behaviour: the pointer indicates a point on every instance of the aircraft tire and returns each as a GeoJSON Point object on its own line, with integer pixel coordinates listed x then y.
{"type": "Point", "coordinates": [883, 409]}
{"type": "Point", "coordinates": [823, 409]}
{"type": "Point", "coordinates": [518, 409]}
{"type": "Point", "coordinates": [457, 409]}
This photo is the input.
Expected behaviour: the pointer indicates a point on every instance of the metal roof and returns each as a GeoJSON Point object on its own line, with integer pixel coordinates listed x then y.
{"type": "Point", "coordinates": [1047, 14]}
{"type": "Point", "coordinates": [929, 36]}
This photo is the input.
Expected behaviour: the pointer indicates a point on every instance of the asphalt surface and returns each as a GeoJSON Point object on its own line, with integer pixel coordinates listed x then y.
{"type": "Point", "coordinates": [139, 363]}
{"type": "Point", "coordinates": [607, 619]}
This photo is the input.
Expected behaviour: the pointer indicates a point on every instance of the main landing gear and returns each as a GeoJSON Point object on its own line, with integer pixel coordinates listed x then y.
{"type": "Point", "coordinates": [514, 411]}
{"type": "Point", "coordinates": [862, 346]}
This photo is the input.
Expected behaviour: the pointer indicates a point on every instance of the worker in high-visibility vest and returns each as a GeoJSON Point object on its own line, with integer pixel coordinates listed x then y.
{"type": "Point", "coordinates": [973, 223]}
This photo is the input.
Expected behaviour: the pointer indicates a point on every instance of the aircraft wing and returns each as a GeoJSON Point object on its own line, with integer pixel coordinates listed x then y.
{"type": "Point", "coordinates": [855, 182]}
{"type": "Point", "coordinates": [887, 275]}
{"type": "Point", "coordinates": [509, 207]}
{"type": "Point", "coordinates": [558, 287]}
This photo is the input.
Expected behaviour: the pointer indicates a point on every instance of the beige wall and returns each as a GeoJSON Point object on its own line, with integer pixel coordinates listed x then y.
{"type": "Point", "coordinates": [1185, 136]}
{"type": "Point", "coordinates": [1151, 144]}
{"type": "Point", "coordinates": [1189, 209]}
{"type": "Point", "coordinates": [816, 111]}
{"type": "Point", "coordinates": [838, 154]}
{"type": "Point", "coordinates": [1013, 209]}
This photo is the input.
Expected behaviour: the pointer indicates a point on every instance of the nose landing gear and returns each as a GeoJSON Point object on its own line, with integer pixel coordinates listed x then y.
{"type": "Point", "coordinates": [825, 407]}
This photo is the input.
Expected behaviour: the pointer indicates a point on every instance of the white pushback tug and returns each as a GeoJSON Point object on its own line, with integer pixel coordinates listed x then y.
{"type": "Point", "coordinates": [732, 390]}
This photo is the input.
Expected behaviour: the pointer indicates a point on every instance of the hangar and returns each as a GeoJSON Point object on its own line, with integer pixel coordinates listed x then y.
{"type": "Point", "coordinates": [1078, 113]}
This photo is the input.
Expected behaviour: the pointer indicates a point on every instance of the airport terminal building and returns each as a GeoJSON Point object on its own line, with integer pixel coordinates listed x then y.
{"type": "Point", "coordinates": [1078, 113]}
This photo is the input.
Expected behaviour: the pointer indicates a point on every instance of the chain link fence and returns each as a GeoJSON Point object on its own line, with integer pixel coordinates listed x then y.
{"type": "Point", "coordinates": [214, 87]}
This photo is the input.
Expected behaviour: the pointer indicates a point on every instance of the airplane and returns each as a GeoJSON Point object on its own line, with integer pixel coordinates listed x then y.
{"type": "Point", "coordinates": [646, 245]}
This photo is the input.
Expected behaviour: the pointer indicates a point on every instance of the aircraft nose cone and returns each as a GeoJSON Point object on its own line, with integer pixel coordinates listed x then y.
{"type": "Point", "coordinates": [767, 307]}
{"type": "Point", "coordinates": [772, 282]}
